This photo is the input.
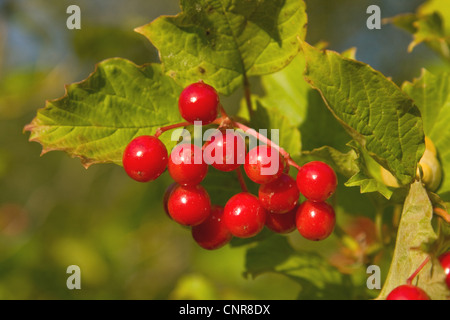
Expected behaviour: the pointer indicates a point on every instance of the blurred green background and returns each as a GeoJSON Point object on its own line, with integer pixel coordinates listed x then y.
{"type": "Point", "coordinates": [54, 213]}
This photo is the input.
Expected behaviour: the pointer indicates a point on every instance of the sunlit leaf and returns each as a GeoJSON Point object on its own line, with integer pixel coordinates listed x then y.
{"type": "Point", "coordinates": [373, 110]}
{"type": "Point", "coordinates": [223, 41]}
{"type": "Point", "coordinates": [415, 229]}
{"type": "Point", "coordinates": [99, 116]}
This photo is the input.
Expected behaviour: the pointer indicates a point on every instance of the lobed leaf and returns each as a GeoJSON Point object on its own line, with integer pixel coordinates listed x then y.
{"type": "Point", "coordinates": [431, 93]}
{"type": "Point", "coordinates": [372, 109]}
{"type": "Point", "coordinates": [223, 41]}
{"type": "Point", "coordinates": [99, 116]}
{"type": "Point", "coordinates": [425, 28]}
{"type": "Point", "coordinates": [287, 92]}
{"type": "Point", "coordinates": [439, 6]}
{"type": "Point", "coordinates": [414, 231]}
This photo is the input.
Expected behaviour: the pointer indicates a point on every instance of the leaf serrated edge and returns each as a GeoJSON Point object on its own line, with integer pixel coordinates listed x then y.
{"type": "Point", "coordinates": [352, 132]}
{"type": "Point", "coordinates": [30, 127]}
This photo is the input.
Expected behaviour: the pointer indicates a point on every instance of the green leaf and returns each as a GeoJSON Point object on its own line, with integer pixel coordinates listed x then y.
{"type": "Point", "coordinates": [317, 278]}
{"type": "Point", "coordinates": [368, 176]}
{"type": "Point", "coordinates": [439, 6]}
{"type": "Point", "coordinates": [222, 185]}
{"type": "Point", "coordinates": [287, 92]}
{"type": "Point", "coordinates": [426, 28]}
{"type": "Point", "coordinates": [343, 163]}
{"type": "Point", "coordinates": [431, 93]}
{"type": "Point", "coordinates": [372, 109]}
{"type": "Point", "coordinates": [223, 41]}
{"type": "Point", "coordinates": [99, 116]}
{"type": "Point", "coordinates": [414, 231]}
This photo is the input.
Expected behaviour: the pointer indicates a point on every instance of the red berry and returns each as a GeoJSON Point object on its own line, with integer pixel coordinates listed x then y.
{"type": "Point", "coordinates": [166, 197]}
{"type": "Point", "coordinates": [279, 196]}
{"type": "Point", "coordinates": [225, 151]}
{"type": "Point", "coordinates": [189, 205]}
{"type": "Point", "coordinates": [315, 220]}
{"type": "Point", "coordinates": [444, 259]}
{"type": "Point", "coordinates": [281, 223]}
{"type": "Point", "coordinates": [408, 292]}
{"type": "Point", "coordinates": [145, 158]}
{"type": "Point", "coordinates": [244, 215]}
{"type": "Point", "coordinates": [186, 165]}
{"type": "Point", "coordinates": [264, 164]}
{"type": "Point", "coordinates": [212, 233]}
{"type": "Point", "coordinates": [198, 102]}
{"type": "Point", "coordinates": [316, 180]}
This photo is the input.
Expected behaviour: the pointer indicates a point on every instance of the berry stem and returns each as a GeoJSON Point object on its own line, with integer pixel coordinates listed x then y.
{"type": "Point", "coordinates": [267, 141]}
{"type": "Point", "coordinates": [442, 213]}
{"type": "Point", "coordinates": [241, 180]}
{"type": "Point", "coordinates": [411, 278]}
{"type": "Point", "coordinates": [293, 163]}
{"type": "Point", "coordinates": [261, 138]}
{"type": "Point", "coordinates": [160, 130]}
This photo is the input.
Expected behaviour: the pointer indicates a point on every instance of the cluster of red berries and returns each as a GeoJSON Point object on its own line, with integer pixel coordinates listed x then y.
{"type": "Point", "coordinates": [187, 202]}
{"type": "Point", "coordinates": [244, 215]}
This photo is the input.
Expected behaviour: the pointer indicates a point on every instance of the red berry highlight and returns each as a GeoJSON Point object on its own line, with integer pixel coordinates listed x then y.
{"type": "Point", "coordinates": [189, 205]}
{"type": "Point", "coordinates": [444, 259]}
{"type": "Point", "coordinates": [145, 158]}
{"type": "Point", "coordinates": [198, 102]}
{"type": "Point", "coordinates": [225, 150]}
{"type": "Point", "coordinates": [316, 180]}
{"type": "Point", "coordinates": [212, 233]}
{"type": "Point", "coordinates": [244, 215]}
{"type": "Point", "coordinates": [264, 164]}
{"type": "Point", "coordinates": [315, 220]}
{"type": "Point", "coordinates": [279, 196]}
{"type": "Point", "coordinates": [186, 165]}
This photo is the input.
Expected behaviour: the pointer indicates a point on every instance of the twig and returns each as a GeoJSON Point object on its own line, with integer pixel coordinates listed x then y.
{"type": "Point", "coordinates": [241, 180]}
{"type": "Point", "coordinates": [442, 213]}
{"type": "Point", "coordinates": [160, 130]}
{"type": "Point", "coordinates": [267, 141]}
{"type": "Point", "coordinates": [411, 278]}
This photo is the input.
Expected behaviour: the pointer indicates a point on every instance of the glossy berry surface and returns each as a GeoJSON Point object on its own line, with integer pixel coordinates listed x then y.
{"type": "Point", "coordinates": [198, 102]}
{"type": "Point", "coordinates": [281, 223]}
{"type": "Point", "coordinates": [279, 196]}
{"type": "Point", "coordinates": [315, 220]}
{"type": "Point", "coordinates": [212, 233]}
{"type": "Point", "coordinates": [186, 165]}
{"type": "Point", "coordinates": [225, 150]}
{"type": "Point", "coordinates": [407, 292]}
{"type": "Point", "coordinates": [145, 158]}
{"type": "Point", "coordinates": [316, 180]}
{"type": "Point", "coordinates": [264, 164]}
{"type": "Point", "coordinates": [244, 215]}
{"type": "Point", "coordinates": [444, 259]}
{"type": "Point", "coordinates": [189, 205]}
